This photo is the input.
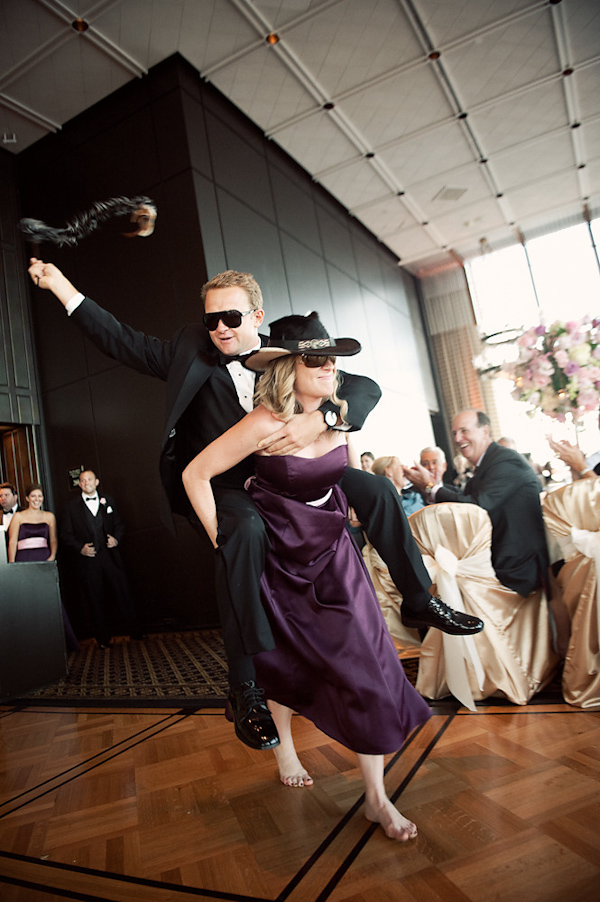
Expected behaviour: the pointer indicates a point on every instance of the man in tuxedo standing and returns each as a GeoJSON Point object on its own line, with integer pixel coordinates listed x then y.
{"type": "Point", "coordinates": [208, 391]}
{"type": "Point", "coordinates": [9, 503]}
{"type": "Point", "coordinates": [92, 529]}
{"type": "Point", "coordinates": [505, 485]}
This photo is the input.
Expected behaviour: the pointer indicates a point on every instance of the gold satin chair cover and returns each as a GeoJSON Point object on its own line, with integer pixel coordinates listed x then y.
{"type": "Point", "coordinates": [577, 507]}
{"type": "Point", "coordinates": [390, 601]}
{"type": "Point", "coordinates": [513, 656]}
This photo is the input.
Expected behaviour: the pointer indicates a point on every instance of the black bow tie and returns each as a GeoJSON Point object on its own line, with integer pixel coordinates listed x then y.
{"type": "Point", "coordinates": [224, 359]}
{"type": "Point", "coordinates": [95, 498]}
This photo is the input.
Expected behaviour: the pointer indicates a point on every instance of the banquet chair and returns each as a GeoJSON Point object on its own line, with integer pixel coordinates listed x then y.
{"type": "Point", "coordinates": [513, 657]}
{"type": "Point", "coordinates": [572, 519]}
{"type": "Point", "coordinates": [390, 601]}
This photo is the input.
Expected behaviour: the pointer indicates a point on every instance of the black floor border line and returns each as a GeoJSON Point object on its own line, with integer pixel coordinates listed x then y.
{"type": "Point", "coordinates": [121, 878]}
{"type": "Point", "coordinates": [212, 894]}
{"type": "Point", "coordinates": [62, 893]}
{"type": "Point", "coordinates": [316, 855]}
{"type": "Point", "coordinates": [107, 754]}
{"type": "Point", "coordinates": [372, 828]}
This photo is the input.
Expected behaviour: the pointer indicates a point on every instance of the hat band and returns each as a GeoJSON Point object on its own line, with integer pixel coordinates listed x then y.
{"type": "Point", "coordinates": [305, 344]}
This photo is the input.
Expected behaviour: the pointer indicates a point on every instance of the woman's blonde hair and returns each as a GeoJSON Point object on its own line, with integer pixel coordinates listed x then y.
{"type": "Point", "coordinates": [381, 464]}
{"type": "Point", "coordinates": [275, 389]}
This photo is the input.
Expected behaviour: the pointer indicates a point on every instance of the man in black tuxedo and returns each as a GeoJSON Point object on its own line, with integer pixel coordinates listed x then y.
{"type": "Point", "coordinates": [92, 529]}
{"type": "Point", "coordinates": [208, 391]}
{"type": "Point", "coordinates": [9, 503]}
{"type": "Point", "coordinates": [506, 486]}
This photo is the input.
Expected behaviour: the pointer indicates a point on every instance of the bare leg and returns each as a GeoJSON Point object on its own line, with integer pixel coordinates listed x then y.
{"type": "Point", "coordinates": [291, 772]}
{"type": "Point", "coordinates": [378, 807]}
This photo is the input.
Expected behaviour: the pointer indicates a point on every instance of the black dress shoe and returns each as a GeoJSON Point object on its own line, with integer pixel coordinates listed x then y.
{"type": "Point", "coordinates": [441, 617]}
{"type": "Point", "coordinates": [251, 717]}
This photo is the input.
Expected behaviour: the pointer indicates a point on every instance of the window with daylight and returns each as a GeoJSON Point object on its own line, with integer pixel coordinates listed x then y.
{"type": "Point", "coordinates": [553, 277]}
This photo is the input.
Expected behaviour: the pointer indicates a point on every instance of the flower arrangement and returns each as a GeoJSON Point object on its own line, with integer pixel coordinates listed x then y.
{"type": "Point", "coordinates": [558, 368]}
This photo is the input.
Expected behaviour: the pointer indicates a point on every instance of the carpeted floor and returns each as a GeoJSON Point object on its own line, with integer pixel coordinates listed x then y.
{"type": "Point", "coordinates": [186, 668]}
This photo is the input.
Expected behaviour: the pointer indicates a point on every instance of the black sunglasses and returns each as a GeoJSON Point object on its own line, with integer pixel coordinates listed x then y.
{"type": "Point", "coordinates": [230, 318]}
{"type": "Point", "coordinates": [313, 361]}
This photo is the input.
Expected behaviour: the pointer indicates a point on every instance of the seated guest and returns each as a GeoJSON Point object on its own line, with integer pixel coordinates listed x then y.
{"type": "Point", "coordinates": [434, 460]}
{"type": "Point", "coordinates": [506, 487]}
{"type": "Point", "coordinates": [582, 467]}
{"type": "Point", "coordinates": [411, 499]}
{"type": "Point", "coordinates": [366, 461]}
{"type": "Point", "coordinates": [463, 471]}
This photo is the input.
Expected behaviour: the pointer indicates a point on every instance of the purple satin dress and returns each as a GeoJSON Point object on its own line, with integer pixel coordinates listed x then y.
{"type": "Point", "coordinates": [334, 662]}
{"type": "Point", "coordinates": [28, 533]}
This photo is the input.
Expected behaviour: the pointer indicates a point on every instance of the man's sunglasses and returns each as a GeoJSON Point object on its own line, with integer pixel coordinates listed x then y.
{"type": "Point", "coordinates": [230, 318]}
{"type": "Point", "coordinates": [312, 361]}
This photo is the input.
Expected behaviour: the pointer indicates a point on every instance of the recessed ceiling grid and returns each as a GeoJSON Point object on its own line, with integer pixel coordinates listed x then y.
{"type": "Point", "coordinates": [436, 124]}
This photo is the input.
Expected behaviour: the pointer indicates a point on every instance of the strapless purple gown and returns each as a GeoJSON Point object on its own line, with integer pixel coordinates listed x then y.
{"type": "Point", "coordinates": [334, 661]}
{"type": "Point", "coordinates": [33, 531]}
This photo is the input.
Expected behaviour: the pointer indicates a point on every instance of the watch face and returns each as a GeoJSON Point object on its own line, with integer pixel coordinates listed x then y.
{"type": "Point", "coordinates": [331, 418]}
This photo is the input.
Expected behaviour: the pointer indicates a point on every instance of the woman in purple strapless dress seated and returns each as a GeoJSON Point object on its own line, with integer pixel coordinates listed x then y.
{"type": "Point", "coordinates": [334, 661]}
{"type": "Point", "coordinates": [32, 538]}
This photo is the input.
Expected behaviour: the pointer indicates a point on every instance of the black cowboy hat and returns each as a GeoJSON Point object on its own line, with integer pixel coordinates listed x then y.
{"type": "Point", "coordinates": [300, 335]}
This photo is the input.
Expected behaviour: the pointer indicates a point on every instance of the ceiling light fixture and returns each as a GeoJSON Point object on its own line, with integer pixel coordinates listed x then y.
{"type": "Point", "coordinates": [272, 38]}
{"type": "Point", "coordinates": [9, 138]}
{"type": "Point", "coordinates": [329, 105]}
{"type": "Point", "coordinates": [80, 25]}
{"type": "Point", "coordinates": [434, 55]}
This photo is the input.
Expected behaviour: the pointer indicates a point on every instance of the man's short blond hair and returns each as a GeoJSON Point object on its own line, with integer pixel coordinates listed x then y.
{"type": "Point", "coordinates": [231, 278]}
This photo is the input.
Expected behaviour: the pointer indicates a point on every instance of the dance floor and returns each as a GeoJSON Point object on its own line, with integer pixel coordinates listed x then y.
{"type": "Point", "coordinates": [150, 804]}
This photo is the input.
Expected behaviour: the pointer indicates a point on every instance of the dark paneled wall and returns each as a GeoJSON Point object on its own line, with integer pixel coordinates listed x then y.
{"type": "Point", "coordinates": [227, 198]}
{"type": "Point", "coordinates": [18, 389]}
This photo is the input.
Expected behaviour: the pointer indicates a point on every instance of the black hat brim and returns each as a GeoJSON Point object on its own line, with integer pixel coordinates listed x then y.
{"type": "Point", "coordinates": [344, 347]}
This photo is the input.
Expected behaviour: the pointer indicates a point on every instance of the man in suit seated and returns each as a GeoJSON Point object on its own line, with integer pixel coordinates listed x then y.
{"type": "Point", "coordinates": [92, 529]}
{"type": "Point", "coordinates": [505, 485]}
{"type": "Point", "coordinates": [434, 460]}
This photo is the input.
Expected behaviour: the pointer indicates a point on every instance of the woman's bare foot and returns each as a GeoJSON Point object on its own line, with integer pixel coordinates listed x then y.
{"type": "Point", "coordinates": [394, 824]}
{"type": "Point", "coordinates": [291, 772]}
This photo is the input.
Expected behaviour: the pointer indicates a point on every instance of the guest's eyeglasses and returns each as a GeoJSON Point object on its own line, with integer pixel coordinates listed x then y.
{"type": "Point", "coordinates": [312, 361]}
{"type": "Point", "coordinates": [230, 318]}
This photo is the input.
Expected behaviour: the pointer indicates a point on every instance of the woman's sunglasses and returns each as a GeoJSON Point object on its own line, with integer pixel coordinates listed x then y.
{"type": "Point", "coordinates": [313, 361]}
{"type": "Point", "coordinates": [230, 318]}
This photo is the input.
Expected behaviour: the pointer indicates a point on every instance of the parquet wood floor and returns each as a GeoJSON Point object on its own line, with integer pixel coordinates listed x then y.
{"type": "Point", "coordinates": [164, 805]}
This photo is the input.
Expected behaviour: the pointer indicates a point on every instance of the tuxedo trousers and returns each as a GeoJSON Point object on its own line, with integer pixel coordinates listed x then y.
{"type": "Point", "coordinates": [103, 577]}
{"type": "Point", "coordinates": [244, 544]}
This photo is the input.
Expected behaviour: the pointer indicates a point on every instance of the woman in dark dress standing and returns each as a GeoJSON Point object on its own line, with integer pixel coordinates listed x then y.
{"type": "Point", "coordinates": [32, 532]}
{"type": "Point", "coordinates": [334, 660]}
{"type": "Point", "coordinates": [33, 538]}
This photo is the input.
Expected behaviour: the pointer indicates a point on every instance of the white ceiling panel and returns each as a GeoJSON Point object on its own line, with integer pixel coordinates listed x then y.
{"type": "Point", "coordinates": [450, 22]}
{"type": "Point", "coordinates": [520, 117]}
{"type": "Point", "coordinates": [497, 91]}
{"type": "Point", "coordinates": [346, 44]}
{"type": "Point", "coordinates": [504, 60]}
{"type": "Point", "coordinates": [429, 154]}
{"type": "Point", "coordinates": [417, 97]}
{"type": "Point", "coordinates": [536, 159]}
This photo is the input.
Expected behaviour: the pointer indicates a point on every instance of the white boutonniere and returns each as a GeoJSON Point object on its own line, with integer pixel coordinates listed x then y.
{"type": "Point", "coordinates": [103, 501]}
{"type": "Point", "coordinates": [109, 509]}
